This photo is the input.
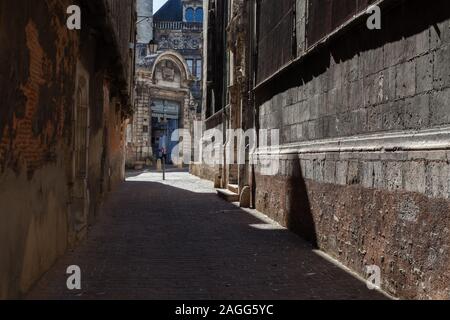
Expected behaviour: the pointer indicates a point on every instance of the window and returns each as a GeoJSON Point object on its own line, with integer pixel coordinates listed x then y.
{"type": "Point", "coordinates": [145, 129]}
{"type": "Point", "coordinates": [216, 46]}
{"type": "Point", "coordinates": [325, 16]}
{"type": "Point", "coordinates": [275, 38]}
{"type": "Point", "coordinates": [190, 15]}
{"type": "Point", "coordinates": [199, 15]}
{"type": "Point", "coordinates": [199, 69]}
{"type": "Point", "coordinates": [190, 64]}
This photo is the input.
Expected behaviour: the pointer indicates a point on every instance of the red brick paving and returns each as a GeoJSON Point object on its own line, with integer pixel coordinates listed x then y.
{"type": "Point", "coordinates": [178, 240]}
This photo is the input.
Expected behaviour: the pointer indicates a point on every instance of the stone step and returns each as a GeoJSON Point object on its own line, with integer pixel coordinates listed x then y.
{"type": "Point", "coordinates": [233, 188]}
{"type": "Point", "coordinates": [228, 195]}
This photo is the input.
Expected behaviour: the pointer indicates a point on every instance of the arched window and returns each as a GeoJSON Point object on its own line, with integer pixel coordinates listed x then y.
{"type": "Point", "coordinates": [199, 15]}
{"type": "Point", "coordinates": [190, 15]}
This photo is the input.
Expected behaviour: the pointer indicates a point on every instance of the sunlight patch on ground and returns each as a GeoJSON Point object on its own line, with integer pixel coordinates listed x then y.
{"type": "Point", "coordinates": [180, 180]}
{"type": "Point", "coordinates": [264, 226]}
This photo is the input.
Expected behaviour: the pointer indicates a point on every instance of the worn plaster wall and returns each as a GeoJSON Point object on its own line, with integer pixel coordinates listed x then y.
{"type": "Point", "coordinates": [38, 68]}
{"type": "Point", "coordinates": [37, 64]}
{"type": "Point", "coordinates": [364, 169]}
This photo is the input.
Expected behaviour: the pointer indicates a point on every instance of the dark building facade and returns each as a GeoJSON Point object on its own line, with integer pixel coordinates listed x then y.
{"type": "Point", "coordinates": [362, 167]}
{"type": "Point", "coordinates": [66, 96]}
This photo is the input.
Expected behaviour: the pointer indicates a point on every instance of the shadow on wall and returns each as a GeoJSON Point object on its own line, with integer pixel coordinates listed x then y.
{"type": "Point", "coordinates": [399, 21]}
{"type": "Point", "coordinates": [299, 217]}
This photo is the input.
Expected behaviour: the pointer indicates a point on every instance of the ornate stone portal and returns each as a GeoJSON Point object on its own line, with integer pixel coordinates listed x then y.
{"type": "Point", "coordinates": [171, 77]}
{"type": "Point", "coordinates": [164, 88]}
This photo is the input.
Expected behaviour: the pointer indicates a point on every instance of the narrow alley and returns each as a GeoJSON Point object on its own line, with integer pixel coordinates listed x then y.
{"type": "Point", "coordinates": [306, 145]}
{"type": "Point", "coordinates": [178, 240]}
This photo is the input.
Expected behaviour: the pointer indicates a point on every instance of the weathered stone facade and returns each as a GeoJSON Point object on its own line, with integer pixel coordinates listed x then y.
{"type": "Point", "coordinates": [168, 88]}
{"type": "Point", "coordinates": [363, 160]}
{"type": "Point", "coordinates": [66, 96]}
{"type": "Point", "coordinates": [139, 147]}
{"type": "Point", "coordinates": [168, 80]}
{"type": "Point", "coordinates": [230, 108]}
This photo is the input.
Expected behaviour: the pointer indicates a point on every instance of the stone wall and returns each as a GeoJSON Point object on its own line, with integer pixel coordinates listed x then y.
{"type": "Point", "coordinates": [140, 146]}
{"type": "Point", "coordinates": [41, 64]}
{"type": "Point", "coordinates": [138, 149]}
{"type": "Point", "coordinates": [237, 113]}
{"type": "Point", "coordinates": [204, 171]}
{"type": "Point", "coordinates": [364, 168]}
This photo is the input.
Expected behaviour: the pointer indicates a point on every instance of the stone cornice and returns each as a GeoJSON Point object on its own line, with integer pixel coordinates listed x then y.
{"type": "Point", "coordinates": [423, 140]}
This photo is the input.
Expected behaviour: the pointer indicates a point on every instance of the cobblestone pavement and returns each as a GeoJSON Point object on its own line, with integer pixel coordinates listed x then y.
{"type": "Point", "coordinates": [177, 240]}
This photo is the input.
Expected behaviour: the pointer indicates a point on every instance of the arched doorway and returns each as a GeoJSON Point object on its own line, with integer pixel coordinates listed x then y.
{"type": "Point", "coordinates": [165, 121]}
{"type": "Point", "coordinates": [171, 105]}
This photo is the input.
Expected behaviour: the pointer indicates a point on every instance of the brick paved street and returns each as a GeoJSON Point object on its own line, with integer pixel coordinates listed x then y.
{"type": "Point", "coordinates": [178, 240]}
